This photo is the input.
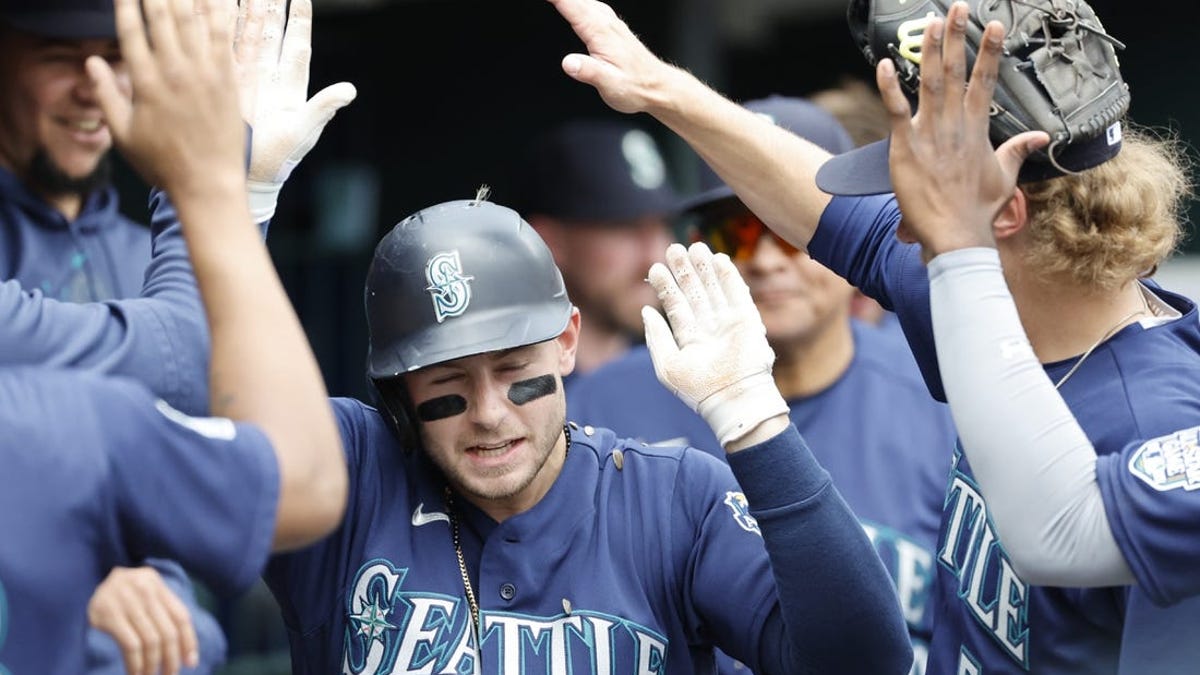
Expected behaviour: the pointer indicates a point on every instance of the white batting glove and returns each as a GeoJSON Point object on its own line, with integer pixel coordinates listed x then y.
{"type": "Point", "coordinates": [714, 356]}
{"type": "Point", "coordinates": [273, 64]}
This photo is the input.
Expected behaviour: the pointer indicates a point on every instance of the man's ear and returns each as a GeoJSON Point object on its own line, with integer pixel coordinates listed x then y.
{"type": "Point", "coordinates": [1013, 216]}
{"type": "Point", "coordinates": [568, 342]}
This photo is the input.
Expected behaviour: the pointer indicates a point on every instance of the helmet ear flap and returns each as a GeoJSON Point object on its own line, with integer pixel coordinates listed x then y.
{"type": "Point", "coordinates": [390, 395]}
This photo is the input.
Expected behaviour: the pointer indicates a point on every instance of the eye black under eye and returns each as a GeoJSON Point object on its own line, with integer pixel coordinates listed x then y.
{"type": "Point", "coordinates": [520, 393]}
{"type": "Point", "coordinates": [534, 388]}
{"type": "Point", "coordinates": [441, 407]}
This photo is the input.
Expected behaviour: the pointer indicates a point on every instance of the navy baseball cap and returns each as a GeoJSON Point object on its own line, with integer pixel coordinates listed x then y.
{"type": "Point", "coordinates": [61, 19]}
{"type": "Point", "coordinates": [864, 171]}
{"type": "Point", "coordinates": [803, 118]}
{"type": "Point", "coordinates": [595, 170]}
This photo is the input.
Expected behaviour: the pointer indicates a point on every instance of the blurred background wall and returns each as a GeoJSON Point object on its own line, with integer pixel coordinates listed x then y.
{"type": "Point", "coordinates": [450, 91]}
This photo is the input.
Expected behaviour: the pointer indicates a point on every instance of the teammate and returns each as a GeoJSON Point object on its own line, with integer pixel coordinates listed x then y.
{"type": "Point", "coordinates": [486, 535]}
{"type": "Point", "coordinates": [1070, 517]}
{"type": "Point", "coordinates": [1074, 286]}
{"type": "Point", "coordinates": [120, 475]}
{"type": "Point", "coordinates": [834, 373]}
{"type": "Point", "coordinates": [59, 217]}
{"type": "Point", "coordinates": [60, 228]}
{"type": "Point", "coordinates": [598, 193]}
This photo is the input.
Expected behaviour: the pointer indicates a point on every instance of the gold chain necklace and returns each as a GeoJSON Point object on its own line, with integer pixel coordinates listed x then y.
{"type": "Point", "coordinates": [1111, 331]}
{"type": "Point", "coordinates": [455, 536]}
{"type": "Point", "coordinates": [472, 603]}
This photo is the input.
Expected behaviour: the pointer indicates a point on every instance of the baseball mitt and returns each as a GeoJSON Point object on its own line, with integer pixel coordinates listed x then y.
{"type": "Point", "coordinates": [1058, 73]}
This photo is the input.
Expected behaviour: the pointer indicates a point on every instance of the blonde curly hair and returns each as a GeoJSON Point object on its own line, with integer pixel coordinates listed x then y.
{"type": "Point", "coordinates": [1113, 223]}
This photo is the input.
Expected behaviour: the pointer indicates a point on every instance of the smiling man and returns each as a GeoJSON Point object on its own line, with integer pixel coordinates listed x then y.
{"type": "Point", "coordinates": [60, 228]}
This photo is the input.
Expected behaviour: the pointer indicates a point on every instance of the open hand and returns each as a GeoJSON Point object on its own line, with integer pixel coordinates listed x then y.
{"type": "Point", "coordinates": [617, 64]}
{"type": "Point", "coordinates": [183, 120]}
{"type": "Point", "coordinates": [948, 181]}
{"type": "Point", "coordinates": [714, 355]}
{"type": "Point", "coordinates": [273, 50]}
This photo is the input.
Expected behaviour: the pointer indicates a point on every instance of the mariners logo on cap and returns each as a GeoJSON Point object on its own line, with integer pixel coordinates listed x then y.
{"type": "Point", "coordinates": [736, 501]}
{"type": "Point", "coordinates": [448, 285]}
{"type": "Point", "coordinates": [1169, 462]}
{"type": "Point", "coordinates": [646, 166]}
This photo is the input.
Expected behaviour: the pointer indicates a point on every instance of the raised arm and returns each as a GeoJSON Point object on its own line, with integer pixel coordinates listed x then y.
{"type": "Point", "coordinates": [1030, 456]}
{"type": "Point", "coordinates": [273, 51]}
{"type": "Point", "coordinates": [184, 131]}
{"type": "Point", "coordinates": [160, 338]}
{"type": "Point", "coordinates": [770, 169]}
{"type": "Point", "coordinates": [837, 609]}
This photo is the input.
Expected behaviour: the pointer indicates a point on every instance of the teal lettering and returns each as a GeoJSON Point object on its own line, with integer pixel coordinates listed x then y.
{"type": "Point", "coordinates": [987, 583]}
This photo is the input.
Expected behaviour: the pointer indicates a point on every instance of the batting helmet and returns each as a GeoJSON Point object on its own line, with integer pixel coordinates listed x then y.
{"type": "Point", "coordinates": [458, 279]}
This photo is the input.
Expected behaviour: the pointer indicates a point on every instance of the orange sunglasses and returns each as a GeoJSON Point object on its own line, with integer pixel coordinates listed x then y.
{"type": "Point", "coordinates": [736, 235]}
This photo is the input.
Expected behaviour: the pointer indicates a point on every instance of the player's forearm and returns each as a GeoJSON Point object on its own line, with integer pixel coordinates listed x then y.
{"type": "Point", "coordinates": [772, 170]}
{"type": "Point", "coordinates": [1034, 463]}
{"type": "Point", "coordinates": [838, 605]}
{"type": "Point", "coordinates": [262, 369]}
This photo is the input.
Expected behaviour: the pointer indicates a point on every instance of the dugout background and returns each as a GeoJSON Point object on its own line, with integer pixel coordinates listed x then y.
{"type": "Point", "coordinates": [451, 90]}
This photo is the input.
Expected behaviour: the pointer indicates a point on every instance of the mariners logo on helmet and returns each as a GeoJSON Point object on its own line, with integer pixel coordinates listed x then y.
{"type": "Point", "coordinates": [448, 285]}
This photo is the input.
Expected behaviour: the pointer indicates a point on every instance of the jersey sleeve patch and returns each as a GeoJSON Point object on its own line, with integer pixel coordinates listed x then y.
{"type": "Point", "coordinates": [216, 428]}
{"type": "Point", "coordinates": [736, 501]}
{"type": "Point", "coordinates": [1169, 462]}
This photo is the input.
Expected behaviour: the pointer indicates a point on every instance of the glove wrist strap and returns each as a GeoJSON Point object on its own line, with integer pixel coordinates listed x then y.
{"type": "Point", "coordinates": [738, 409]}
{"type": "Point", "coordinates": [263, 198]}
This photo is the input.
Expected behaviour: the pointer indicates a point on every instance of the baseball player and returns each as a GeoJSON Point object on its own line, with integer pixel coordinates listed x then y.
{"type": "Point", "coordinates": [1070, 517]}
{"type": "Point", "coordinates": [90, 247]}
{"type": "Point", "coordinates": [485, 534]}
{"type": "Point", "coordinates": [97, 472]}
{"type": "Point", "coordinates": [833, 372]}
{"type": "Point", "coordinates": [1074, 284]}
{"type": "Point", "coordinates": [597, 192]}
{"type": "Point", "coordinates": [159, 338]}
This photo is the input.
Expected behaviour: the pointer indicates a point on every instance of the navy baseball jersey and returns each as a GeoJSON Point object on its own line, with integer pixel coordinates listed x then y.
{"type": "Point", "coordinates": [885, 443]}
{"type": "Point", "coordinates": [159, 338]}
{"type": "Point", "coordinates": [1140, 384]}
{"type": "Point", "coordinates": [638, 560]}
{"type": "Point", "coordinates": [97, 473]}
{"type": "Point", "coordinates": [1153, 507]}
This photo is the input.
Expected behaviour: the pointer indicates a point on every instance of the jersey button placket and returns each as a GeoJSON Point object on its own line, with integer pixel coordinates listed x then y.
{"type": "Point", "coordinates": [508, 591]}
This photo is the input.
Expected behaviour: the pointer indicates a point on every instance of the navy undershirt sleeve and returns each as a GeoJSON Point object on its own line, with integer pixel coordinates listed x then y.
{"type": "Point", "coordinates": [830, 582]}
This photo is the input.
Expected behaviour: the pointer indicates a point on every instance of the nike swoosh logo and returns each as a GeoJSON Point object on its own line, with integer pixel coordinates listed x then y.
{"type": "Point", "coordinates": [421, 518]}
